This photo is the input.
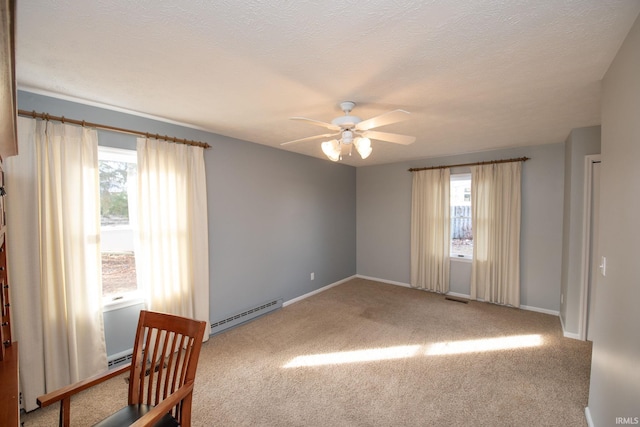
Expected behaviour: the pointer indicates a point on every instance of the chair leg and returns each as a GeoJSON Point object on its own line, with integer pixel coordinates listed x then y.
{"type": "Point", "coordinates": [65, 410]}
{"type": "Point", "coordinates": [185, 411]}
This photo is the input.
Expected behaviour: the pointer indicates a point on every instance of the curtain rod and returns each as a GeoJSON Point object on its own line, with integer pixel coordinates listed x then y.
{"type": "Point", "coordinates": [45, 116]}
{"type": "Point", "coordinates": [490, 162]}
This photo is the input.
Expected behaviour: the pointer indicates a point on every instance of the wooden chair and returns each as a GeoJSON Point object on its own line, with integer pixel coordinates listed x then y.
{"type": "Point", "coordinates": [161, 375]}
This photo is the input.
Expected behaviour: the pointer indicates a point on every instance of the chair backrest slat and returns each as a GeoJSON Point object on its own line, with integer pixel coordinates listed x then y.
{"type": "Point", "coordinates": [163, 368]}
{"type": "Point", "coordinates": [170, 361]}
{"type": "Point", "coordinates": [165, 357]}
{"type": "Point", "coordinates": [151, 363]}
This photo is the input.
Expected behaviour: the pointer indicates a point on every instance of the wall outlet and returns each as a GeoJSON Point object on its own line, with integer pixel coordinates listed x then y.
{"type": "Point", "coordinates": [603, 266]}
{"type": "Point", "coordinates": [313, 276]}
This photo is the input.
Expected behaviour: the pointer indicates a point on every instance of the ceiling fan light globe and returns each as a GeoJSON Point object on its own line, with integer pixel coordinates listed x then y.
{"type": "Point", "coordinates": [363, 142]}
{"type": "Point", "coordinates": [363, 145]}
{"type": "Point", "coordinates": [331, 149]}
{"type": "Point", "coordinates": [364, 152]}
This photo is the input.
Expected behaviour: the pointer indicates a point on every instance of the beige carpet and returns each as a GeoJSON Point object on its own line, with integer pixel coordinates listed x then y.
{"type": "Point", "coordinates": [408, 381]}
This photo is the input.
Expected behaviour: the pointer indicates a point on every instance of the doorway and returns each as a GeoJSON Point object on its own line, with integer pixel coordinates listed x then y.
{"type": "Point", "coordinates": [590, 256]}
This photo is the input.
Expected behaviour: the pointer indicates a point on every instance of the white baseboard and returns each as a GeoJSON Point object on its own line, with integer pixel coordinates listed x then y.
{"type": "Point", "coordinates": [317, 291]}
{"type": "Point", "coordinates": [390, 282]}
{"type": "Point", "coordinates": [456, 294]}
{"type": "Point", "coordinates": [406, 285]}
{"type": "Point", "coordinates": [572, 335]}
{"type": "Point", "coordinates": [540, 310]}
{"type": "Point", "coordinates": [568, 334]}
{"type": "Point", "coordinates": [587, 414]}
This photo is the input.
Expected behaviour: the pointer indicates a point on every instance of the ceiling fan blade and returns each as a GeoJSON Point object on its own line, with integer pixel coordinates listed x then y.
{"type": "Point", "coordinates": [396, 138]}
{"type": "Point", "coordinates": [384, 119]}
{"type": "Point", "coordinates": [309, 138]}
{"type": "Point", "coordinates": [317, 123]}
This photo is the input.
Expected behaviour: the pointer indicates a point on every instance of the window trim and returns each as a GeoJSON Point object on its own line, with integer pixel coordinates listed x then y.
{"type": "Point", "coordinates": [125, 299]}
{"type": "Point", "coordinates": [117, 154]}
{"type": "Point", "coordinates": [456, 256]}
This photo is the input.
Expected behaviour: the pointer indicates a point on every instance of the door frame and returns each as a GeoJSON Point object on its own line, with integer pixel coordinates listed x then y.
{"type": "Point", "coordinates": [589, 160]}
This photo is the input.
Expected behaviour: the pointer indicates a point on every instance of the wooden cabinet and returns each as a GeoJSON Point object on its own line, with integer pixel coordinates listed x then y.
{"type": "Point", "coordinates": [9, 393]}
{"type": "Point", "coordinates": [5, 329]}
{"type": "Point", "coordinates": [5, 304]}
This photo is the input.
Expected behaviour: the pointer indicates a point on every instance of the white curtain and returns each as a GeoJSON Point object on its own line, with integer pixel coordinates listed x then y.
{"type": "Point", "coordinates": [53, 213]}
{"type": "Point", "coordinates": [495, 210]}
{"type": "Point", "coordinates": [430, 224]}
{"type": "Point", "coordinates": [172, 257]}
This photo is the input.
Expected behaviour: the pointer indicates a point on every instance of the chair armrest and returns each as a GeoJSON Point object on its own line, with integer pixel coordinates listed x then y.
{"type": "Point", "coordinates": [165, 406]}
{"type": "Point", "coordinates": [70, 390]}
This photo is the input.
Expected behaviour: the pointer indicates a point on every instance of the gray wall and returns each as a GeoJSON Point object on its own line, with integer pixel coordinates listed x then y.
{"type": "Point", "coordinates": [274, 216]}
{"type": "Point", "coordinates": [384, 213]}
{"type": "Point", "coordinates": [615, 368]}
{"type": "Point", "coordinates": [581, 142]}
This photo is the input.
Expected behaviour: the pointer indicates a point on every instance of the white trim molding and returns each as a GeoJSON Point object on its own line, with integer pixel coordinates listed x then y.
{"type": "Point", "coordinates": [456, 294]}
{"type": "Point", "coordinates": [540, 310]}
{"type": "Point", "coordinates": [587, 414]}
{"type": "Point", "coordinates": [44, 92]}
{"type": "Point", "coordinates": [568, 334]}
{"type": "Point", "coordinates": [589, 160]}
{"type": "Point", "coordinates": [317, 291]}
{"type": "Point", "coordinates": [390, 282]}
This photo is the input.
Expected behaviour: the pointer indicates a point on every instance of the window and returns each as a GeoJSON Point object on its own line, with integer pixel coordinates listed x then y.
{"type": "Point", "coordinates": [117, 170]}
{"type": "Point", "coordinates": [461, 226]}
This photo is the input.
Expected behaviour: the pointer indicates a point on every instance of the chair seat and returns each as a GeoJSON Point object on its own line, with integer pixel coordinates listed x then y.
{"type": "Point", "coordinates": [130, 414]}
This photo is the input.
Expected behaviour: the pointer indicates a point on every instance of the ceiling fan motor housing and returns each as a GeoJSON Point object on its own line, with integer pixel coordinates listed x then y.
{"type": "Point", "coordinates": [346, 122]}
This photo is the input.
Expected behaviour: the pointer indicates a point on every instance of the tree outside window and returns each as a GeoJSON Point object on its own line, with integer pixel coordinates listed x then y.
{"type": "Point", "coordinates": [117, 169]}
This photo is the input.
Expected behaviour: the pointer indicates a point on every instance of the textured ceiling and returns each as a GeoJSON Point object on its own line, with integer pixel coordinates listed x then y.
{"type": "Point", "coordinates": [475, 74]}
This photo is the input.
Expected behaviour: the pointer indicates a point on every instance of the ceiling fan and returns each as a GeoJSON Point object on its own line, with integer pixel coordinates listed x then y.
{"type": "Point", "coordinates": [351, 130]}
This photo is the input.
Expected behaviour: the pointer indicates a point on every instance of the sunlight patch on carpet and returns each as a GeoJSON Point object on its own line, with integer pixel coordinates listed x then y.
{"type": "Point", "coordinates": [357, 356]}
{"type": "Point", "coordinates": [406, 351]}
{"type": "Point", "coordinates": [484, 345]}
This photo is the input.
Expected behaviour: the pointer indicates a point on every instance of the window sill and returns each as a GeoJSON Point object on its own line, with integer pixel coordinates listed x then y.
{"type": "Point", "coordinates": [459, 259]}
{"type": "Point", "coordinates": [126, 301]}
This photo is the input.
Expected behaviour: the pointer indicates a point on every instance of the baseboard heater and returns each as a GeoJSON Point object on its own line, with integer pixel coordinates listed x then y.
{"type": "Point", "coordinates": [245, 316]}
{"type": "Point", "coordinates": [119, 359]}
